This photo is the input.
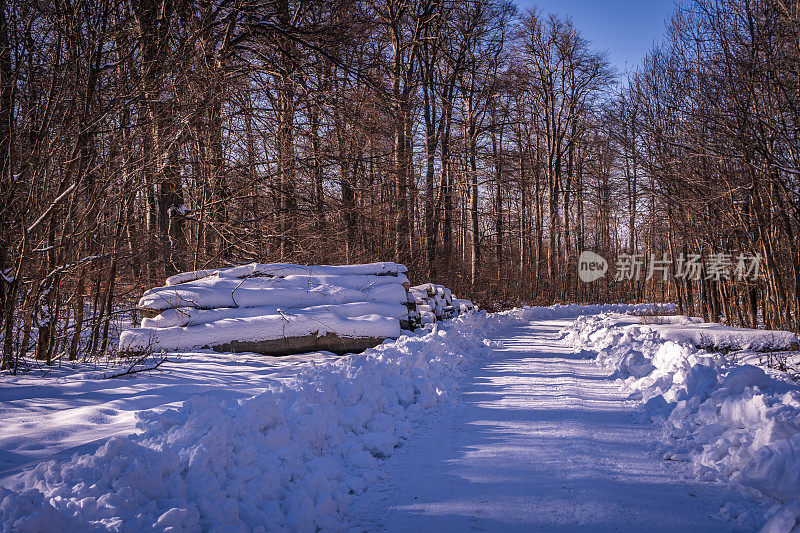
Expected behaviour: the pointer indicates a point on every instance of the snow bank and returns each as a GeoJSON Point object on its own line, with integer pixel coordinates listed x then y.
{"type": "Point", "coordinates": [733, 422]}
{"type": "Point", "coordinates": [287, 459]}
{"type": "Point", "coordinates": [249, 307]}
{"type": "Point", "coordinates": [710, 335]}
{"type": "Point", "coordinates": [557, 311]}
{"type": "Point", "coordinates": [53, 414]}
{"type": "Point", "coordinates": [713, 336]}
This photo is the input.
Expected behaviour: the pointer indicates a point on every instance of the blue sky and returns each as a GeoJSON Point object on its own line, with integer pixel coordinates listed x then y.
{"type": "Point", "coordinates": [625, 28]}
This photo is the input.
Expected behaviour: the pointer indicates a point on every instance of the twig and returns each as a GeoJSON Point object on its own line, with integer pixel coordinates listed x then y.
{"type": "Point", "coordinates": [133, 370]}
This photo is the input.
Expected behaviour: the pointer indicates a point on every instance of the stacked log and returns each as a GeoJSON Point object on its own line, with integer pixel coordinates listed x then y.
{"type": "Point", "coordinates": [274, 309]}
{"type": "Point", "coordinates": [434, 302]}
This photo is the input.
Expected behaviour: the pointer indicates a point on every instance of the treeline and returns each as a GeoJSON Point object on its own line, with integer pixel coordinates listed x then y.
{"type": "Point", "coordinates": [709, 128]}
{"type": "Point", "coordinates": [482, 147]}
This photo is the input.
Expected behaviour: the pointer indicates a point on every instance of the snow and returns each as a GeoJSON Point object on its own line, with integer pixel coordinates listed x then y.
{"type": "Point", "coordinates": [287, 269]}
{"type": "Point", "coordinates": [718, 337]}
{"type": "Point", "coordinates": [291, 291]}
{"type": "Point", "coordinates": [291, 457]}
{"type": "Point", "coordinates": [732, 422]}
{"type": "Point", "coordinates": [711, 335]}
{"type": "Point", "coordinates": [541, 439]}
{"type": "Point", "coordinates": [189, 316]}
{"type": "Point", "coordinates": [75, 410]}
{"type": "Point", "coordinates": [500, 422]}
{"type": "Point", "coordinates": [316, 321]}
{"type": "Point", "coordinates": [463, 305]}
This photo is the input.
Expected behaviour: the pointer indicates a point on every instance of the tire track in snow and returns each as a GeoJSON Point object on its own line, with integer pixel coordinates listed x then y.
{"type": "Point", "coordinates": [542, 439]}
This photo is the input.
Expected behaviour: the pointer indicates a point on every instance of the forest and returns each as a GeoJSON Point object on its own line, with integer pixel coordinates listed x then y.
{"type": "Point", "coordinates": [482, 146]}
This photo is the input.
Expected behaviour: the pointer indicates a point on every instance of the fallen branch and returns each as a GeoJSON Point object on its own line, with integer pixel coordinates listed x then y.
{"type": "Point", "coordinates": [157, 362]}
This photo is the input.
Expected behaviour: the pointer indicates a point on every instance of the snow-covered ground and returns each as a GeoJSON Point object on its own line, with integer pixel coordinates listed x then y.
{"type": "Point", "coordinates": [733, 422]}
{"type": "Point", "coordinates": [69, 410]}
{"type": "Point", "coordinates": [501, 422]}
{"type": "Point", "coordinates": [291, 457]}
{"type": "Point", "coordinates": [542, 440]}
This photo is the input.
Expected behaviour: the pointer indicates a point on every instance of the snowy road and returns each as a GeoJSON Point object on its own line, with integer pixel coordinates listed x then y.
{"type": "Point", "coordinates": [541, 440]}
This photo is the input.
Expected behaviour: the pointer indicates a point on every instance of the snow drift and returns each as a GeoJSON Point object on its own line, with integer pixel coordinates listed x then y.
{"type": "Point", "coordinates": [735, 423]}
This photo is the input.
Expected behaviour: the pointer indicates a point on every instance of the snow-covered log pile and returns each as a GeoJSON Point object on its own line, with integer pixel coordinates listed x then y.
{"type": "Point", "coordinates": [430, 302]}
{"type": "Point", "coordinates": [274, 309]}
